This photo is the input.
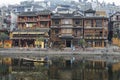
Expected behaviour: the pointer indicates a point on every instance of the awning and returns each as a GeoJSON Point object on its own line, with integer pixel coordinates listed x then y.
{"type": "Point", "coordinates": [28, 32]}
{"type": "Point", "coordinates": [66, 37]}
{"type": "Point", "coordinates": [22, 33]}
{"type": "Point", "coordinates": [23, 38]}
{"type": "Point", "coordinates": [35, 32]}
{"type": "Point", "coordinates": [14, 32]}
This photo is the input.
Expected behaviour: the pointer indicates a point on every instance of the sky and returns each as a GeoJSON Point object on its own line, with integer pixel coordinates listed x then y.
{"type": "Point", "coordinates": [5, 2]}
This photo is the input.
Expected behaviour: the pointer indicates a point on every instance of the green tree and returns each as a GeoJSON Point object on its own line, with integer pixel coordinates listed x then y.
{"type": "Point", "coordinates": [3, 37]}
{"type": "Point", "coordinates": [40, 39]}
{"type": "Point", "coordinates": [115, 35]}
{"type": "Point", "coordinates": [82, 42]}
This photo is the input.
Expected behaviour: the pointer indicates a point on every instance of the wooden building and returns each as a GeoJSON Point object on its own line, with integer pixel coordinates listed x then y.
{"type": "Point", "coordinates": [66, 29]}
{"type": "Point", "coordinates": [33, 29]}
{"type": "Point", "coordinates": [114, 28]}
{"type": "Point", "coordinates": [95, 29]}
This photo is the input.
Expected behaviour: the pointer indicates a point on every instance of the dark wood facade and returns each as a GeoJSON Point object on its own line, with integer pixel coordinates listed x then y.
{"type": "Point", "coordinates": [33, 29]}
{"type": "Point", "coordinates": [68, 29]}
{"type": "Point", "coordinates": [61, 30]}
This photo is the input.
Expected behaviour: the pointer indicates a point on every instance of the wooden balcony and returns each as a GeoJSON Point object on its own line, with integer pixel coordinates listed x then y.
{"type": "Point", "coordinates": [32, 20]}
{"type": "Point", "coordinates": [29, 20]}
{"type": "Point", "coordinates": [43, 19]}
{"type": "Point", "coordinates": [21, 21]}
{"type": "Point", "coordinates": [95, 37]}
{"type": "Point", "coordinates": [56, 26]}
{"type": "Point", "coordinates": [90, 27]}
{"type": "Point", "coordinates": [66, 35]}
{"type": "Point", "coordinates": [66, 26]}
{"type": "Point", "coordinates": [77, 26]}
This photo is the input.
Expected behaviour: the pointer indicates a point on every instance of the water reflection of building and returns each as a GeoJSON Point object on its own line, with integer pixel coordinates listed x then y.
{"type": "Point", "coordinates": [114, 71]}
{"type": "Point", "coordinates": [91, 70]}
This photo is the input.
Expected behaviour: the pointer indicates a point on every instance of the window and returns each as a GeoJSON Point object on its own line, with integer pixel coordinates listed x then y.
{"type": "Point", "coordinates": [43, 16]}
{"type": "Point", "coordinates": [77, 22]}
{"type": "Point", "coordinates": [44, 24]}
{"type": "Point", "coordinates": [100, 33]}
{"type": "Point", "coordinates": [66, 31]}
{"type": "Point", "coordinates": [56, 31]}
{"type": "Point", "coordinates": [28, 9]}
{"type": "Point", "coordinates": [118, 17]}
{"type": "Point", "coordinates": [89, 14]}
{"type": "Point", "coordinates": [56, 22]}
{"type": "Point", "coordinates": [98, 44]}
{"type": "Point", "coordinates": [98, 23]}
{"type": "Point", "coordinates": [88, 23]}
{"type": "Point", "coordinates": [66, 21]}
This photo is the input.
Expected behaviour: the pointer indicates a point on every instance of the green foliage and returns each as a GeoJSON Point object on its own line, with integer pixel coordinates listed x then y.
{"type": "Point", "coordinates": [4, 69]}
{"type": "Point", "coordinates": [3, 36]}
{"type": "Point", "coordinates": [82, 42]}
{"type": "Point", "coordinates": [40, 39]}
{"type": "Point", "coordinates": [115, 35]}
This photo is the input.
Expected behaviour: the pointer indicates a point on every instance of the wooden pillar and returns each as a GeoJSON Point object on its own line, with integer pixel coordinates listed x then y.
{"type": "Point", "coordinates": [60, 21]}
{"type": "Point", "coordinates": [102, 43]}
{"type": "Point", "coordinates": [84, 23]}
{"type": "Point", "coordinates": [25, 18]}
{"type": "Point", "coordinates": [94, 23]}
{"type": "Point", "coordinates": [38, 25]}
{"type": "Point", "coordinates": [39, 21]}
{"type": "Point", "coordinates": [103, 31]}
{"type": "Point", "coordinates": [19, 43]}
{"type": "Point", "coordinates": [93, 44]}
{"type": "Point", "coordinates": [48, 24]}
{"type": "Point", "coordinates": [103, 23]}
{"type": "Point", "coordinates": [65, 43]}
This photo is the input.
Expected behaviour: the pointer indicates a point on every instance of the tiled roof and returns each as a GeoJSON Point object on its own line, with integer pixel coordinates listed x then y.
{"type": "Point", "coordinates": [67, 15]}
{"type": "Point", "coordinates": [34, 13]}
{"type": "Point", "coordinates": [28, 14]}
{"type": "Point", "coordinates": [44, 12]}
{"type": "Point", "coordinates": [90, 11]}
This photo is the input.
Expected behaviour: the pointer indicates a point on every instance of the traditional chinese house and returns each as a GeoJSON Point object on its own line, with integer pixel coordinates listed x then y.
{"type": "Point", "coordinates": [33, 29]}
{"type": "Point", "coordinates": [95, 29]}
{"type": "Point", "coordinates": [66, 29]}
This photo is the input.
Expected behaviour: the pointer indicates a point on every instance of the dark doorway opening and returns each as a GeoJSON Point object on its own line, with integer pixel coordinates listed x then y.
{"type": "Point", "coordinates": [68, 43]}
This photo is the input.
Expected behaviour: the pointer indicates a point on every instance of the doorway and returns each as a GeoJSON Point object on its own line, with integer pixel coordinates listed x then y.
{"type": "Point", "coordinates": [68, 43]}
